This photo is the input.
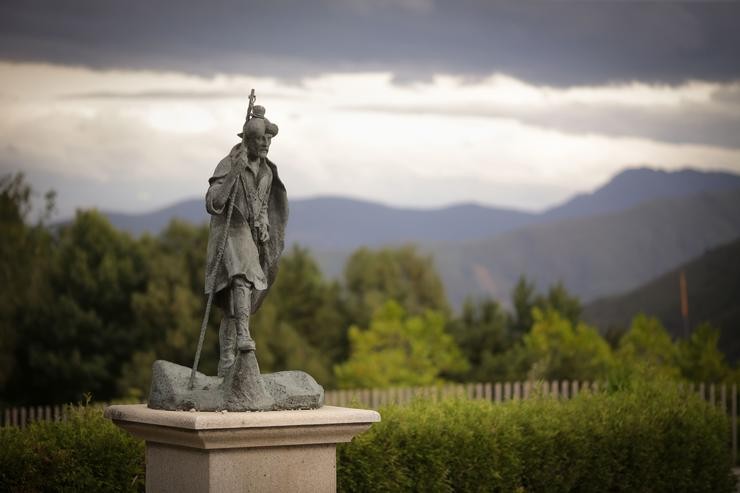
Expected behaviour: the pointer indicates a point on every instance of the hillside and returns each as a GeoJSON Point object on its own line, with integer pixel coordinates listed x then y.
{"type": "Point", "coordinates": [634, 186]}
{"type": "Point", "coordinates": [336, 223]}
{"type": "Point", "coordinates": [713, 281]}
{"type": "Point", "coordinates": [340, 223]}
{"type": "Point", "coordinates": [593, 256]}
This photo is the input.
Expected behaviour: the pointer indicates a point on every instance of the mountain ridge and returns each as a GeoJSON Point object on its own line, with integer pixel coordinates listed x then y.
{"type": "Point", "coordinates": [334, 222]}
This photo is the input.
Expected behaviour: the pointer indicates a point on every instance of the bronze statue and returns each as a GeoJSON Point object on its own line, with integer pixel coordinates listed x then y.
{"type": "Point", "coordinates": [249, 210]}
{"type": "Point", "coordinates": [256, 233]}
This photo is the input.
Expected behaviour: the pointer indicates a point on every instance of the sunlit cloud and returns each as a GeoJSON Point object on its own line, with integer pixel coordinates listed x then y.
{"type": "Point", "coordinates": [497, 141]}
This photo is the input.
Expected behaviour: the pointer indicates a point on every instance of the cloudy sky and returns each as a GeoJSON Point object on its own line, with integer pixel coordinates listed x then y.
{"type": "Point", "coordinates": [130, 105]}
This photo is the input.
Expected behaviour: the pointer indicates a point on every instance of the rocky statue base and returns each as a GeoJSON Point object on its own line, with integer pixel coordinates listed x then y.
{"type": "Point", "coordinates": [243, 389]}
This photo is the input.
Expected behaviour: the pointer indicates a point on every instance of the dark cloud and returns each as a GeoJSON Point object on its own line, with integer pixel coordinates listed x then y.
{"type": "Point", "coordinates": [556, 43]}
{"type": "Point", "coordinates": [165, 94]}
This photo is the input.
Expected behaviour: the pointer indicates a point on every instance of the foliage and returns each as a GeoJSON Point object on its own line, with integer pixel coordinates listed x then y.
{"type": "Point", "coordinates": [492, 339]}
{"type": "Point", "coordinates": [399, 350]}
{"type": "Point", "coordinates": [555, 349]}
{"type": "Point", "coordinates": [77, 335]}
{"type": "Point", "coordinates": [648, 345]}
{"type": "Point", "coordinates": [168, 311]}
{"type": "Point", "coordinates": [559, 300]}
{"type": "Point", "coordinates": [699, 357]}
{"type": "Point", "coordinates": [523, 299]}
{"type": "Point", "coordinates": [84, 453]}
{"type": "Point", "coordinates": [24, 252]}
{"type": "Point", "coordinates": [647, 438]}
{"type": "Point", "coordinates": [373, 277]}
{"type": "Point", "coordinates": [481, 332]}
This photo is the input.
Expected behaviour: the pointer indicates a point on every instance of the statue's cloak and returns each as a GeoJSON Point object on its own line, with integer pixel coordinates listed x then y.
{"type": "Point", "coordinates": [269, 252]}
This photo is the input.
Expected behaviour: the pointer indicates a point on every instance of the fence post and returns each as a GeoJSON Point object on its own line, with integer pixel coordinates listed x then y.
{"type": "Point", "coordinates": [527, 389]}
{"type": "Point", "coordinates": [507, 391]}
{"type": "Point", "coordinates": [517, 390]}
{"type": "Point", "coordinates": [554, 391]}
{"type": "Point", "coordinates": [488, 391]}
{"type": "Point", "coordinates": [497, 392]}
{"type": "Point", "coordinates": [479, 391]}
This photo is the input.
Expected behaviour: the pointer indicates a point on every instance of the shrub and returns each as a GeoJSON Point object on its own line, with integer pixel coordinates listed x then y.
{"type": "Point", "coordinates": [644, 438]}
{"type": "Point", "coordinates": [638, 437]}
{"type": "Point", "coordinates": [84, 453]}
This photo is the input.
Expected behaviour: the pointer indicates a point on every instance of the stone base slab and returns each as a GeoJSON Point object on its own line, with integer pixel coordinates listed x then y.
{"type": "Point", "coordinates": [241, 451]}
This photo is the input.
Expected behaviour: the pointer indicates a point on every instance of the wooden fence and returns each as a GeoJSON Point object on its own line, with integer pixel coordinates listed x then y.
{"type": "Point", "coordinates": [721, 395]}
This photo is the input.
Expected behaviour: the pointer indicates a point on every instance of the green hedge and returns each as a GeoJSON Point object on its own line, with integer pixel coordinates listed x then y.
{"type": "Point", "coordinates": [85, 453]}
{"type": "Point", "coordinates": [644, 439]}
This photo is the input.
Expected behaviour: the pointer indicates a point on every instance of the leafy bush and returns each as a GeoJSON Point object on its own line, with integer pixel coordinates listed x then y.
{"type": "Point", "coordinates": [84, 453]}
{"type": "Point", "coordinates": [644, 438]}
{"type": "Point", "coordinates": [638, 437]}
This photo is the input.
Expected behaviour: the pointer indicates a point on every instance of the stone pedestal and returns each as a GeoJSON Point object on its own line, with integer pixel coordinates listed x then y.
{"type": "Point", "coordinates": [241, 451]}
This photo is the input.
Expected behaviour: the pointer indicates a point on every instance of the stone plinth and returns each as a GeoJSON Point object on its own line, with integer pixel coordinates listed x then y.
{"type": "Point", "coordinates": [241, 451]}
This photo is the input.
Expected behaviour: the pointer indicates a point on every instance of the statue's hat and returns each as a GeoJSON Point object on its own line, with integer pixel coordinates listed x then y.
{"type": "Point", "coordinates": [258, 124]}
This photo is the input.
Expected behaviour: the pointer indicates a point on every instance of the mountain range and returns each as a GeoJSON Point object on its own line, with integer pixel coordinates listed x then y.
{"type": "Point", "coordinates": [331, 223]}
{"type": "Point", "coordinates": [640, 224]}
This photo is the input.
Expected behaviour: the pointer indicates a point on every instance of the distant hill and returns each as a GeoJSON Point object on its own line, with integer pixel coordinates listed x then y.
{"type": "Point", "coordinates": [594, 256]}
{"type": "Point", "coordinates": [192, 211]}
{"type": "Point", "coordinates": [713, 281]}
{"type": "Point", "coordinates": [336, 223]}
{"type": "Point", "coordinates": [340, 223]}
{"type": "Point", "coordinates": [634, 186]}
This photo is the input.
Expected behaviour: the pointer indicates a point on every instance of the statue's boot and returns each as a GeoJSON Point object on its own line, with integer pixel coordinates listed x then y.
{"type": "Point", "coordinates": [243, 340]}
{"type": "Point", "coordinates": [242, 312]}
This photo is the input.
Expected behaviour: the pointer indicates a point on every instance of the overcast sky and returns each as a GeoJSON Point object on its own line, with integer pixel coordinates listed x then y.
{"type": "Point", "coordinates": [130, 105]}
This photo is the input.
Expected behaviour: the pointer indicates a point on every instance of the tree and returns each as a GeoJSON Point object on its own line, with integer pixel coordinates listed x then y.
{"type": "Point", "coordinates": [555, 349]}
{"type": "Point", "coordinates": [399, 349]}
{"type": "Point", "coordinates": [24, 263]}
{"type": "Point", "coordinates": [561, 301]}
{"type": "Point", "coordinates": [481, 332]}
{"type": "Point", "coordinates": [699, 357]}
{"type": "Point", "coordinates": [371, 277]}
{"type": "Point", "coordinates": [648, 343]}
{"type": "Point", "coordinates": [523, 299]}
{"type": "Point", "coordinates": [77, 335]}
{"type": "Point", "coordinates": [169, 310]}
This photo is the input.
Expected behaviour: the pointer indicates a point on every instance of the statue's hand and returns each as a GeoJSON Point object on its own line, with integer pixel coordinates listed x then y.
{"type": "Point", "coordinates": [264, 233]}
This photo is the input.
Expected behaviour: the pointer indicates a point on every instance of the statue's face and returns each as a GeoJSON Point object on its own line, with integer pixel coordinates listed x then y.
{"type": "Point", "coordinates": [259, 145]}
